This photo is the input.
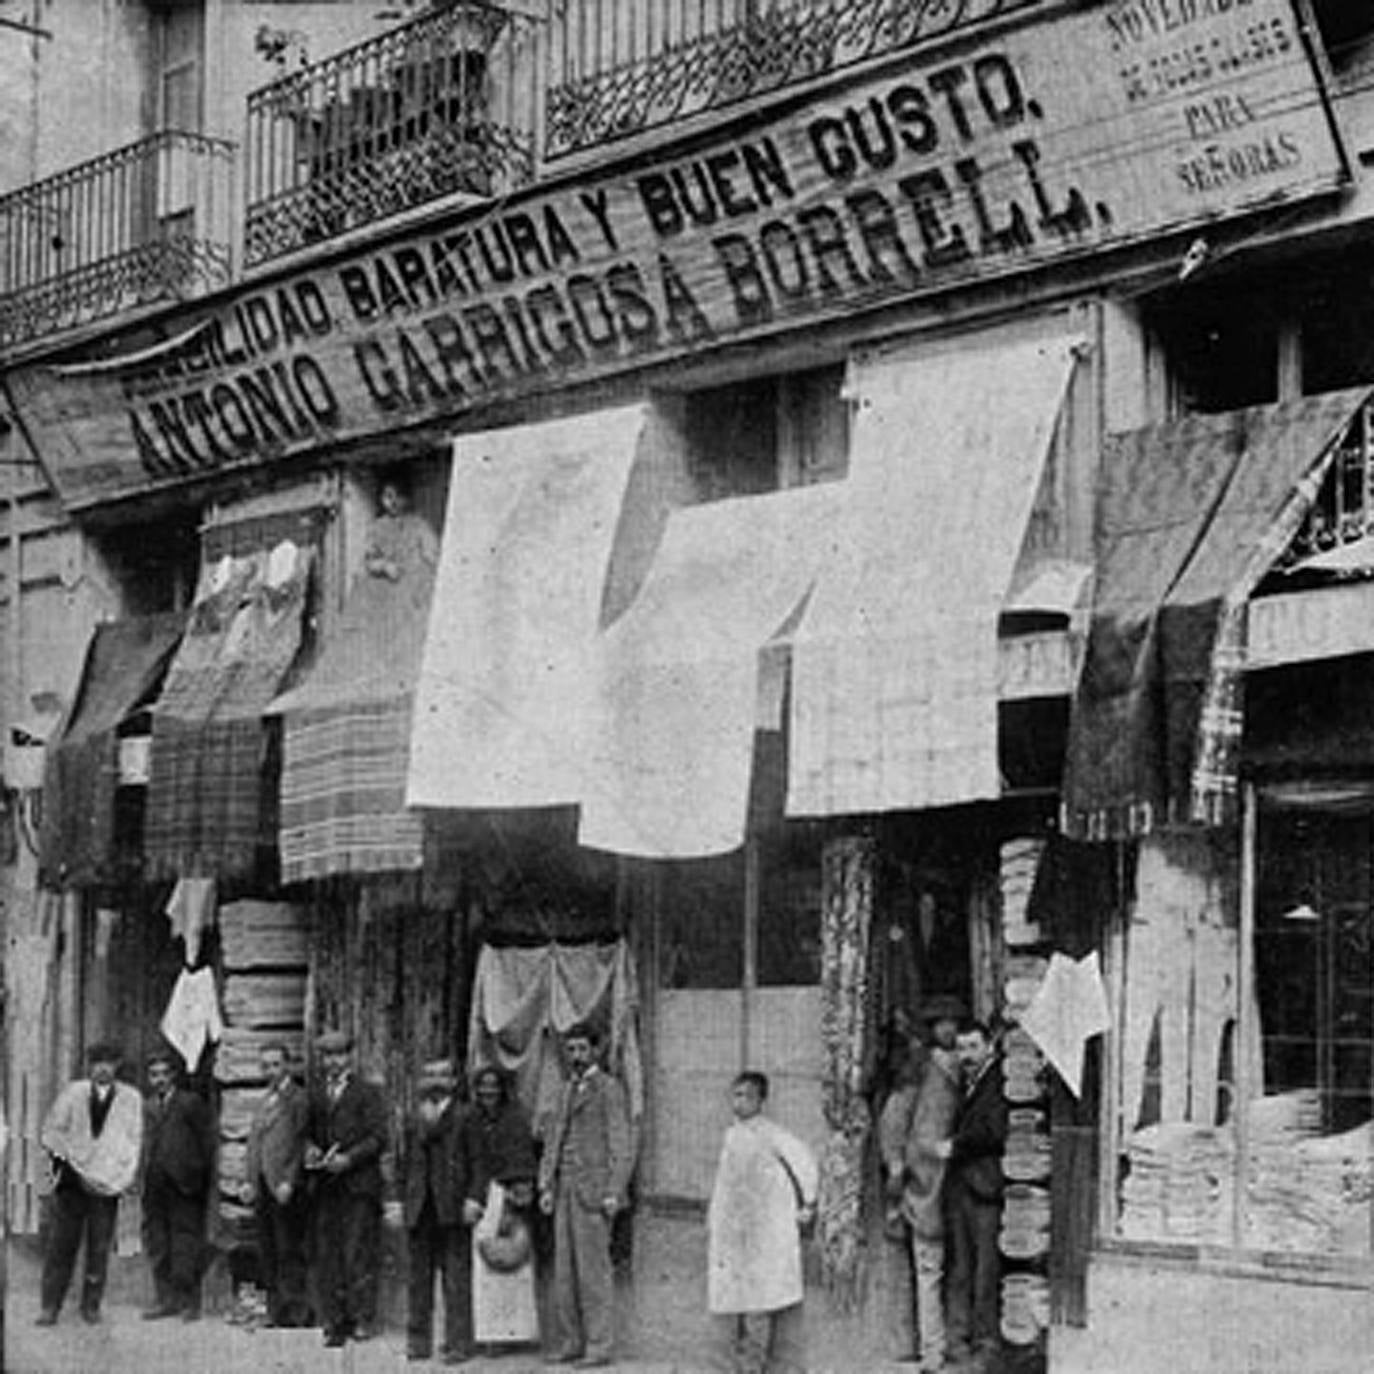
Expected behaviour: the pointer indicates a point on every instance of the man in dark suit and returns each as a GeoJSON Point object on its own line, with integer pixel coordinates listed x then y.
{"type": "Point", "coordinates": [275, 1189]}
{"type": "Point", "coordinates": [973, 1198]}
{"type": "Point", "coordinates": [583, 1179]}
{"type": "Point", "coordinates": [345, 1137]}
{"type": "Point", "coordinates": [178, 1163]}
{"type": "Point", "coordinates": [438, 1241]}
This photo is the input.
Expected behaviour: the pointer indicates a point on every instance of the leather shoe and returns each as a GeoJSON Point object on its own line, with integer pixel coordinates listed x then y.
{"type": "Point", "coordinates": [563, 1357]}
{"type": "Point", "coordinates": [47, 1317]}
{"type": "Point", "coordinates": [90, 1315]}
{"type": "Point", "coordinates": [161, 1312]}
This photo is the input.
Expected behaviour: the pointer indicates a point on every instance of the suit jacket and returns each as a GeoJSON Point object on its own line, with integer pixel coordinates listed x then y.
{"type": "Point", "coordinates": [915, 1120]}
{"type": "Point", "coordinates": [178, 1143]}
{"type": "Point", "coordinates": [589, 1148]}
{"type": "Point", "coordinates": [356, 1126]}
{"type": "Point", "coordinates": [439, 1170]}
{"type": "Point", "coordinates": [980, 1136]}
{"type": "Point", "coordinates": [276, 1139]}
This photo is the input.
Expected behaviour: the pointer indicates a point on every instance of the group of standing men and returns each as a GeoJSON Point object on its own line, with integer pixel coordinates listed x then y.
{"type": "Point", "coordinates": [314, 1179]}
{"type": "Point", "coordinates": [942, 1134]}
{"type": "Point", "coordinates": [104, 1139]}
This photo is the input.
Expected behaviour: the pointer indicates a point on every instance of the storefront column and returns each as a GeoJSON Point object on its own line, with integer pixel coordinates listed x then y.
{"type": "Point", "coordinates": [848, 882]}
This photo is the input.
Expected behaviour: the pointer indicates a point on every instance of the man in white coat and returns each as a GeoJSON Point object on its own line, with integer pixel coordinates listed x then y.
{"type": "Point", "coordinates": [94, 1137]}
{"type": "Point", "coordinates": [765, 1190]}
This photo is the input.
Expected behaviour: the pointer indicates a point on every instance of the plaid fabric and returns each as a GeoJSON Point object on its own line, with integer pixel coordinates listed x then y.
{"type": "Point", "coordinates": [1192, 514]}
{"type": "Point", "coordinates": [79, 845]}
{"type": "Point", "coordinates": [1216, 766]}
{"type": "Point", "coordinates": [346, 728]}
{"type": "Point", "coordinates": [343, 791]}
{"type": "Point", "coordinates": [210, 764]}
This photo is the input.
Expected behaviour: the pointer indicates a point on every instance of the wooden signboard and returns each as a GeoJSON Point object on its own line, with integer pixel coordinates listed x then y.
{"type": "Point", "coordinates": [1062, 138]}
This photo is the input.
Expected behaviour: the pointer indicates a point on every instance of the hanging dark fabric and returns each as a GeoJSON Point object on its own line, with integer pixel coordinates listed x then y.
{"type": "Point", "coordinates": [1191, 514]}
{"type": "Point", "coordinates": [125, 661]}
{"type": "Point", "coordinates": [212, 784]}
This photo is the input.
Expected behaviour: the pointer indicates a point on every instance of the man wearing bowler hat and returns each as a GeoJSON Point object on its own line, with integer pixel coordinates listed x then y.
{"type": "Point", "coordinates": [345, 1137]}
{"type": "Point", "coordinates": [913, 1135]}
{"type": "Point", "coordinates": [437, 1241]}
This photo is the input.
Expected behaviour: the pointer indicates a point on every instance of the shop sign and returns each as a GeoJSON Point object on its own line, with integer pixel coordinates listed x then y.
{"type": "Point", "coordinates": [1062, 138]}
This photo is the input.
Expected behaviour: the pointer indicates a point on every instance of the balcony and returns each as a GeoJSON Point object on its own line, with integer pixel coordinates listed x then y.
{"type": "Point", "coordinates": [146, 223]}
{"type": "Point", "coordinates": [620, 70]}
{"type": "Point", "coordinates": [439, 106]}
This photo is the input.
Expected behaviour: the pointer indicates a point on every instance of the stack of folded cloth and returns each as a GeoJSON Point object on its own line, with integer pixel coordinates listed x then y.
{"type": "Point", "coordinates": [1180, 1184]}
{"type": "Point", "coordinates": [1019, 861]}
{"type": "Point", "coordinates": [1025, 1230]}
{"type": "Point", "coordinates": [1025, 1307]}
{"type": "Point", "coordinates": [1023, 1067]}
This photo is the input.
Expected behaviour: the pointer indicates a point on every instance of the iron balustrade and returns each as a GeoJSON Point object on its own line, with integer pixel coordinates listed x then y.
{"type": "Point", "coordinates": [622, 67]}
{"type": "Point", "coordinates": [441, 105]}
{"type": "Point", "coordinates": [1343, 512]}
{"type": "Point", "coordinates": [148, 222]}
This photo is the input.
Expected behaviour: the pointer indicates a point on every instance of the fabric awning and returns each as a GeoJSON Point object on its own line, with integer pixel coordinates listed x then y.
{"type": "Point", "coordinates": [538, 518]}
{"type": "Point", "coordinates": [681, 674]}
{"type": "Point", "coordinates": [125, 661]}
{"type": "Point", "coordinates": [895, 668]}
{"type": "Point", "coordinates": [207, 783]}
{"type": "Point", "coordinates": [1191, 516]}
{"type": "Point", "coordinates": [346, 728]}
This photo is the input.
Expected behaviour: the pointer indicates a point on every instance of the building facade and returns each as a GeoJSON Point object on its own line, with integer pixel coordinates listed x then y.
{"type": "Point", "coordinates": [735, 520]}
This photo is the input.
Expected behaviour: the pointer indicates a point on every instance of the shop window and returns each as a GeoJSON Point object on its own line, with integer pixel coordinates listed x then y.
{"type": "Point", "coordinates": [1221, 349]}
{"type": "Point", "coordinates": [1247, 1084]}
{"type": "Point", "coordinates": [765, 433]}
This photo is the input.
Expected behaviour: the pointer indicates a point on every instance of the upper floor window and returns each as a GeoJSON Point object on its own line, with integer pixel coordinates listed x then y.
{"type": "Point", "coordinates": [768, 433]}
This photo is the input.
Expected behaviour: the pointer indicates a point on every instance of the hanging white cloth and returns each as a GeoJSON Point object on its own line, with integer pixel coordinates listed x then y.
{"type": "Point", "coordinates": [192, 1018]}
{"type": "Point", "coordinates": [1069, 1008]}
{"type": "Point", "coordinates": [191, 910]}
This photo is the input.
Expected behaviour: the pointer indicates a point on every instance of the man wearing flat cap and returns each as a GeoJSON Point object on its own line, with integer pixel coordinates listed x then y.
{"type": "Point", "coordinates": [345, 1138]}
{"type": "Point", "coordinates": [913, 1131]}
{"type": "Point", "coordinates": [439, 1244]}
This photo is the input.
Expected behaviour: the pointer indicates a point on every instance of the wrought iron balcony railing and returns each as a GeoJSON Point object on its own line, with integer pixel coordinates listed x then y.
{"type": "Point", "coordinates": [622, 67]}
{"type": "Point", "coordinates": [145, 223]}
{"type": "Point", "coordinates": [441, 105]}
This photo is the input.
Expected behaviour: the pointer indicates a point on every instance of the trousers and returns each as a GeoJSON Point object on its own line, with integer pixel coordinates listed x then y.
{"type": "Point", "coordinates": [583, 1283]}
{"type": "Point", "coordinates": [75, 1215]}
{"type": "Point", "coordinates": [444, 1252]}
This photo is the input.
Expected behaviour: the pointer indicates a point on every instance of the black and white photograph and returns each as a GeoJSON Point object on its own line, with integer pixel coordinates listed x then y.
{"type": "Point", "coordinates": [687, 686]}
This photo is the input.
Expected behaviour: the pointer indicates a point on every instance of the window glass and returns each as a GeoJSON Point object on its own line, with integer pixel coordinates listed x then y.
{"type": "Point", "coordinates": [1310, 1177]}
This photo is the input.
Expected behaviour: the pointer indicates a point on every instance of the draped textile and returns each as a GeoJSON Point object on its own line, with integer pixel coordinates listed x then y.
{"type": "Point", "coordinates": [848, 871]}
{"type": "Point", "coordinates": [346, 728]}
{"type": "Point", "coordinates": [1191, 515]}
{"type": "Point", "coordinates": [522, 998]}
{"type": "Point", "coordinates": [209, 764]}
{"type": "Point", "coordinates": [526, 566]}
{"type": "Point", "coordinates": [124, 663]}
{"type": "Point", "coordinates": [681, 673]}
{"type": "Point", "coordinates": [895, 664]}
